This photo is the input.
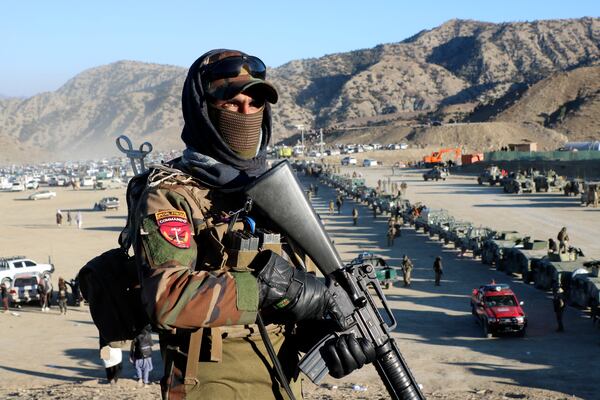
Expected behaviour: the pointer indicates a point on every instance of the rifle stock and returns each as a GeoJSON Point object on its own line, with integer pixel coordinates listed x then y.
{"type": "Point", "coordinates": [279, 196]}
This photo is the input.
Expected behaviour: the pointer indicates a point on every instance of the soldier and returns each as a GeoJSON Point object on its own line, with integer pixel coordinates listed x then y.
{"type": "Point", "coordinates": [438, 269]}
{"type": "Point", "coordinates": [559, 307]}
{"type": "Point", "coordinates": [403, 187]}
{"type": "Point", "coordinates": [391, 234]}
{"type": "Point", "coordinates": [563, 240]}
{"type": "Point", "coordinates": [397, 226]}
{"type": "Point", "coordinates": [203, 302]}
{"type": "Point", "coordinates": [354, 216]}
{"type": "Point", "coordinates": [407, 267]}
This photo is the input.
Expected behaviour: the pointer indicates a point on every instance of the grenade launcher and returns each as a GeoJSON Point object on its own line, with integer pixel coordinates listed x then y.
{"type": "Point", "coordinates": [279, 196]}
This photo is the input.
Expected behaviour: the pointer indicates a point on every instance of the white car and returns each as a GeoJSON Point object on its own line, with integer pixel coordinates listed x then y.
{"type": "Point", "coordinates": [42, 195]}
{"type": "Point", "coordinates": [17, 187]}
{"type": "Point", "coordinates": [10, 266]}
{"type": "Point", "coordinates": [348, 161]}
{"type": "Point", "coordinates": [32, 185]}
{"type": "Point", "coordinates": [369, 163]}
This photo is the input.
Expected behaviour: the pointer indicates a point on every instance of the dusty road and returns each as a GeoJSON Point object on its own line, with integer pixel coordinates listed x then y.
{"type": "Point", "coordinates": [436, 332]}
{"type": "Point", "coordinates": [540, 215]}
{"type": "Point", "coordinates": [48, 356]}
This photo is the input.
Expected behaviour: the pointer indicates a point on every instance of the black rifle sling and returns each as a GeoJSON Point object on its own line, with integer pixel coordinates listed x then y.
{"type": "Point", "coordinates": [276, 364]}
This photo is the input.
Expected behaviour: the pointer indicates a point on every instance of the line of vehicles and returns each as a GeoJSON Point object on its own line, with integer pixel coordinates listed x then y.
{"type": "Point", "coordinates": [535, 261]}
{"type": "Point", "coordinates": [549, 181]}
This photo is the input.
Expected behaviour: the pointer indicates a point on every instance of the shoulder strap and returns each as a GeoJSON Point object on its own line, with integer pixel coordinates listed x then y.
{"type": "Point", "coordinates": [191, 367]}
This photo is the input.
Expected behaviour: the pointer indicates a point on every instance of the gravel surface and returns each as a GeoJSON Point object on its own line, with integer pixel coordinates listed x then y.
{"type": "Point", "coordinates": [48, 356]}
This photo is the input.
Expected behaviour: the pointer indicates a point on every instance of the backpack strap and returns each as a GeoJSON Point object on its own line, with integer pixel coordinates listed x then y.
{"type": "Point", "coordinates": [191, 368]}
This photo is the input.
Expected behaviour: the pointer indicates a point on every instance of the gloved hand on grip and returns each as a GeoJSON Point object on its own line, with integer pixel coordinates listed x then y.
{"type": "Point", "coordinates": [345, 354]}
{"type": "Point", "coordinates": [288, 294]}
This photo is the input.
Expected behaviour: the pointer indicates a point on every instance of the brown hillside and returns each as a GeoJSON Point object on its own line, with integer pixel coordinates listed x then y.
{"type": "Point", "coordinates": [568, 102]}
{"type": "Point", "coordinates": [470, 137]}
{"type": "Point", "coordinates": [458, 63]}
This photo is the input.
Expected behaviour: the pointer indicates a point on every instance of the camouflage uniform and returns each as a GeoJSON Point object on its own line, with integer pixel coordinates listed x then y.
{"type": "Point", "coordinates": [563, 240]}
{"type": "Point", "coordinates": [192, 283]}
{"type": "Point", "coordinates": [407, 267]}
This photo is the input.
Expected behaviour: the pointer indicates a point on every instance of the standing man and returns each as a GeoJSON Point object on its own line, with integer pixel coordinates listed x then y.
{"type": "Point", "coordinates": [206, 305]}
{"type": "Point", "coordinates": [407, 267]}
{"type": "Point", "coordinates": [403, 187]}
{"type": "Point", "coordinates": [438, 269]}
{"type": "Point", "coordinates": [79, 219]}
{"type": "Point", "coordinates": [563, 240]}
{"type": "Point", "coordinates": [59, 218]}
{"type": "Point", "coordinates": [140, 355]}
{"type": "Point", "coordinates": [4, 296]}
{"type": "Point", "coordinates": [391, 234]}
{"type": "Point", "coordinates": [559, 307]}
{"type": "Point", "coordinates": [338, 203]}
{"type": "Point", "coordinates": [62, 296]}
{"type": "Point", "coordinates": [354, 216]}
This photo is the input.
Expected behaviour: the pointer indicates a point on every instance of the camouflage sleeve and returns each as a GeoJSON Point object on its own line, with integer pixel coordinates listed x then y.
{"type": "Point", "coordinates": [175, 295]}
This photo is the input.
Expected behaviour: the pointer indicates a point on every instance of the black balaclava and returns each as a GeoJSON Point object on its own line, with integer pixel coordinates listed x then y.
{"type": "Point", "coordinates": [201, 136]}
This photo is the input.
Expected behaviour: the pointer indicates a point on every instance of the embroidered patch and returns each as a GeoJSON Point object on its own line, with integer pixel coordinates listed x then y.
{"type": "Point", "coordinates": [174, 227]}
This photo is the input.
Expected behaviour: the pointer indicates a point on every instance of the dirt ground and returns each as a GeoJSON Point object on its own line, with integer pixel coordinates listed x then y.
{"type": "Point", "coordinates": [49, 356]}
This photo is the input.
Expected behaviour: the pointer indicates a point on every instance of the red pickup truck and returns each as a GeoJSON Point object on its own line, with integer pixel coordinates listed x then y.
{"type": "Point", "coordinates": [497, 310]}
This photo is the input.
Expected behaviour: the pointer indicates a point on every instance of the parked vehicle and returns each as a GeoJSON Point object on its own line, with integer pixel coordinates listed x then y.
{"type": "Point", "coordinates": [518, 183]}
{"type": "Point", "coordinates": [435, 174]}
{"type": "Point", "coordinates": [348, 161]}
{"type": "Point", "coordinates": [549, 181]}
{"type": "Point", "coordinates": [42, 195]}
{"type": "Point", "coordinates": [107, 203]}
{"type": "Point", "coordinates": [11, 266]}
{"type": "Point", "coordinates": [496, 308]}
{"type": "Point", "coordinates": [369, 163]}
{"type": "Point", "coordinates": [590, 194]}
{"type": "Point", "coordinates": [573, 187]}
{"type": "Point", "coordinates": [17, 187]}
{"type": "Point", "coordinates": [491, 175]}
{"type": "Point", "coordinates": [386, 275]}
{"type": "Point", "coordinates": [25, 288]}
{"type": "Point", "coordinates": [33, 184]}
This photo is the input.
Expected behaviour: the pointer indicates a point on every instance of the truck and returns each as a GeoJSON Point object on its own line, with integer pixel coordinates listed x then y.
{"type": "Point", "coordinates": [11, 266]}
{"type": "Point", "coordinates": [497, 309]}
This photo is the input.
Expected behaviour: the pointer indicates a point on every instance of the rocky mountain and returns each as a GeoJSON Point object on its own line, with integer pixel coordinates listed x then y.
{"type": "Point", "coordinates": [567, 102]}
{"type": "Point", "coordinates": [460, 62]}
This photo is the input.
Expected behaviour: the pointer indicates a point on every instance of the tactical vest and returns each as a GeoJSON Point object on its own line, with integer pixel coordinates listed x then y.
{"type": "Point", "coordinates": [228, 241]}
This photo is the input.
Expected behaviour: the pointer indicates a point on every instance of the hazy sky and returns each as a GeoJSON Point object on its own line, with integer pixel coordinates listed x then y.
{"type": "Point", "coordinates": [46, 42]}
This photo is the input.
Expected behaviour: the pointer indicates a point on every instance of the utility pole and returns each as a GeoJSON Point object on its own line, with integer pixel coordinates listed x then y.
{"type": "Point", "coordinates": [321, 140]}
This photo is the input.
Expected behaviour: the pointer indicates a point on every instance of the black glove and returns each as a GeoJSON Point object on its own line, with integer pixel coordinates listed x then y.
{"type": "Point", "coordinates": [288, 294]}
{"type": "Point", "coordinates": [344, 354]}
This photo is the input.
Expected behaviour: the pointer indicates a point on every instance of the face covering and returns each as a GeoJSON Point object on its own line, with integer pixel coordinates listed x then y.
{"type": "Point", "coordinates": [241, 132]}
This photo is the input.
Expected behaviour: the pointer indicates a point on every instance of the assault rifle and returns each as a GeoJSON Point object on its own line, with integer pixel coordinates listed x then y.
{"type": "Point", "coordinates": [279, 196]}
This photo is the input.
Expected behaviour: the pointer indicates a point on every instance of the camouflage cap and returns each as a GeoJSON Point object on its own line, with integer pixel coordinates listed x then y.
{"type": "Point", "coordinates": [228, 87]}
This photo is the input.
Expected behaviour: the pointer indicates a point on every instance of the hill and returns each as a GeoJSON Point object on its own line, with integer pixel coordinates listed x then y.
{"type": "Point", "coordinates": [454, 68]}
{"type": "Point", "coordinates": [568, 102]}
